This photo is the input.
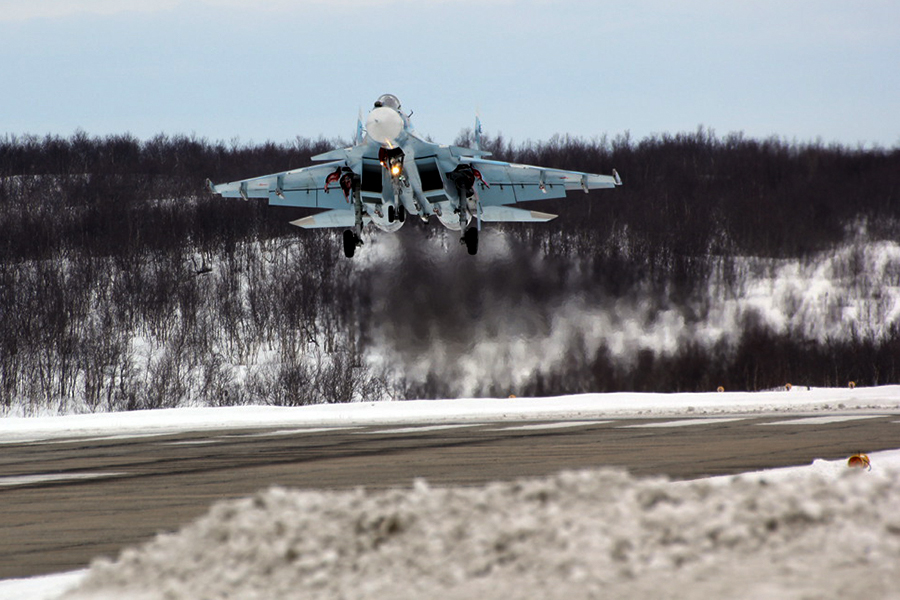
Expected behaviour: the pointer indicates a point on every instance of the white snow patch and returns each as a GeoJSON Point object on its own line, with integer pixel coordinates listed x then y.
{"type": "Point", "coordinates": [44, 587]}
{"type": "Point", "coordinates": [822, 420]}
{"type": "Point", "coordinates": [539, 426]}
{"type": "Point", "coordinates": [286, 432]}
{"type": "Point", "coordinates": [410, 429]}
{"type": "Point", "coordinates": [49, 477]}
{"type": "Point", "coordinates": [882, 463]}
{"type": "Point", "coordinates": [685, 422]}
{"type": "Point", "coordinates": [192, 442]}
{"type": "Point", "coordinates": [434, 412]}
{"type": "Point", "coordinates": [102, 438]}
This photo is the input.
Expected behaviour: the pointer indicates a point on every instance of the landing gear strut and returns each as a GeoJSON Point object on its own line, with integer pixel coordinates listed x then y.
{"type": "Point", "coordinates": [352, 239]}
{"type": "Point", "coordinates": [470, 235]}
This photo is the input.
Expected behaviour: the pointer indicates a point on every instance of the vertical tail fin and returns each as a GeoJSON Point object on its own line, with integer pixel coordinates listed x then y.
{"type": "Point", "coordinates": [477, 131]}
{"type": "Point", "coordinates": [360, 134]}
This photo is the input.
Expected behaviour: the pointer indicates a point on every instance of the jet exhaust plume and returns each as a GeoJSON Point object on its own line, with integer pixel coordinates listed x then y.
{"type": "Point", "coordinates": [518, 320]}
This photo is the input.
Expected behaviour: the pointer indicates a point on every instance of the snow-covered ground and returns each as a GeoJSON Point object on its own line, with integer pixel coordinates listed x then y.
{"type": "Point", "coordinates": [849, 293]}
{"type": "Point", "coordinates": [821, 530]}
{"type": "Point", "coordinates": [798, 399]}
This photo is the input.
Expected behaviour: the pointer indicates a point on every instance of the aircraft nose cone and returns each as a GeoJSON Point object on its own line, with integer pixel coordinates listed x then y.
{"type": "Point", "coordinates": [384, 125]}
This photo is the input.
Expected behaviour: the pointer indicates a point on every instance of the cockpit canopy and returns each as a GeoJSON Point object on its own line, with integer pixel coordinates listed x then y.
{"type": "Point", "coordinates": [388, 100]}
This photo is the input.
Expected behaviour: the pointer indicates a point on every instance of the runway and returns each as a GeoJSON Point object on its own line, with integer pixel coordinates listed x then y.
{"type": "Point", "coordinates": [66, 501]}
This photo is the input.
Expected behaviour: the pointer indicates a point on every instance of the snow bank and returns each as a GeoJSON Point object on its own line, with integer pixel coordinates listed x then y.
{"type": "Point", "coordinates": [584, 534]}
{"type": "Point", "coordinates": [799, 399]}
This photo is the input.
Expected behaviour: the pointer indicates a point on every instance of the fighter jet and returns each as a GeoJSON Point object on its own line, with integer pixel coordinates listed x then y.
{"type": "Point", "coordinates": [392, 174]}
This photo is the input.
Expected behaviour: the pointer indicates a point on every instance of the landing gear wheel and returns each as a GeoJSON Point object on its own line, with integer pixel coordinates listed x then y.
{"type": "Point", "coordinates": [351, 241]}
{"type": "Point", "coordinates": [392, 214]}
{"type": "Point", "coordinates": [470, 239]}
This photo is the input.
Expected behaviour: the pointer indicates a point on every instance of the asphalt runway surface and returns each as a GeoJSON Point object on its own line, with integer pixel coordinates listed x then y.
{"type": "Point", "coordinates": [65, 501]}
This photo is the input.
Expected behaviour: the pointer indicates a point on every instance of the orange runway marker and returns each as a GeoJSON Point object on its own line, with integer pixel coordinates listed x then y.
{"type": "Point", "coordinates": [860, 461]}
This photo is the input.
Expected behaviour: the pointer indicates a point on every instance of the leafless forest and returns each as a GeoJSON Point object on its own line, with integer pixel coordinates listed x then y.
{"type": "Point", "coordinates": [125, 285]}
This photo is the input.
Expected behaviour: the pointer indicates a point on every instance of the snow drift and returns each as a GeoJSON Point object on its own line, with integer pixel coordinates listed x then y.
{"type": "Point", "coordinates": [587, 534]}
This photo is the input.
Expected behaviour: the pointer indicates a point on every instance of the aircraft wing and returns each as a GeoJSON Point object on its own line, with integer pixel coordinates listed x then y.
{"type": "Point", "coordinates": [305, 188]}
{"type": "Point", "coordinates": [508, 183]}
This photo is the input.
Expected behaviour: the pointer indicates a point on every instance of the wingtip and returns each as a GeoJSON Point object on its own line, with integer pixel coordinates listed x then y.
{"type": "Point", "coordinates": [542, 216]}
{"type": "Point", "coordinates": [305, 222]}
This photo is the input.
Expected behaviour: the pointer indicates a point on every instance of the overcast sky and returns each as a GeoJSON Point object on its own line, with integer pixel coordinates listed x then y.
{"type": "Point", "coordinates": [275, 69]}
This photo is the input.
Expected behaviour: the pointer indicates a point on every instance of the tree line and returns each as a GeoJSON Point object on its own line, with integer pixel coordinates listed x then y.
{"type": "Point", "coordinates": [124, 284]}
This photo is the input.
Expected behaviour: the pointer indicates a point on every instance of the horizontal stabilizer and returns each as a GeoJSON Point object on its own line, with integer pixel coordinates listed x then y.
{"type": "Point", "coordinates": [496, 214]}
{"type": "Point", "coordinates": [459, 151]}
{"type": "Point", "coordinates": [338, 154]}
{"type": "Point", "coordinates": [329, 218]}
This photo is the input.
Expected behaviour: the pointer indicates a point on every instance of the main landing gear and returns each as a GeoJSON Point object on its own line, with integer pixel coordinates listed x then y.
{"type": "Point", "coordinates": [352, 239]}
{"type": "Point", "coordinates": [465, 176]}
{"type": "Point", "coordinates": [351, 243]}
{"type": "Point", "coordinates": [470, 239]}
